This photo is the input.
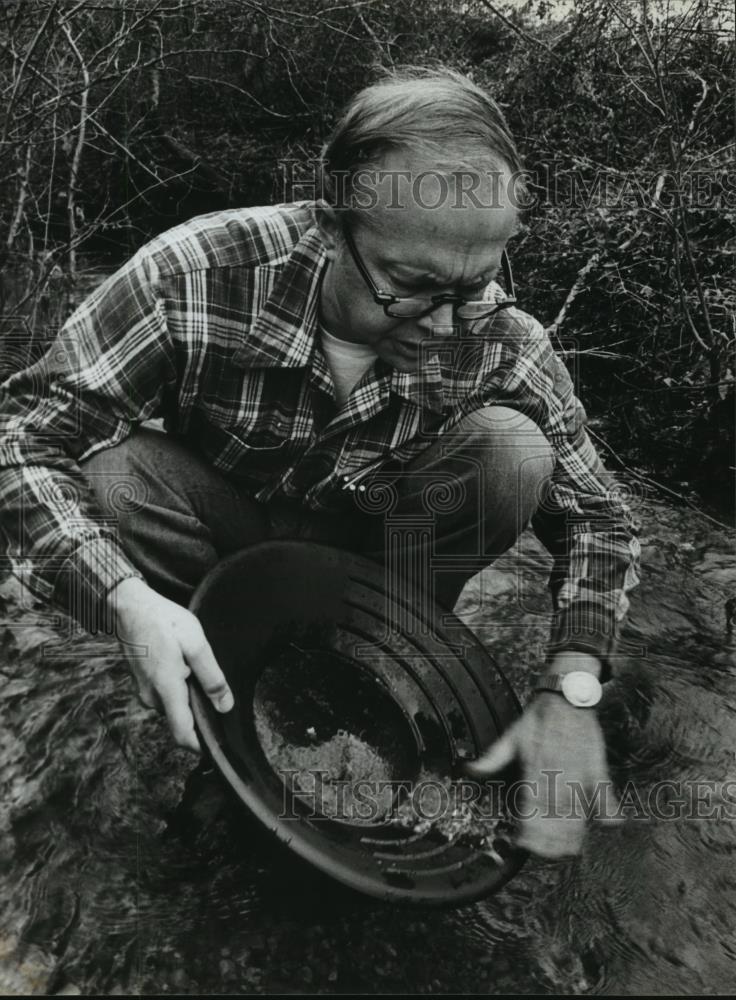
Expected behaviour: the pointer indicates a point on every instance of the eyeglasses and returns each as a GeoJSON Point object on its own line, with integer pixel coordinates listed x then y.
{"type": "Point", "coordinates": [414, 307]}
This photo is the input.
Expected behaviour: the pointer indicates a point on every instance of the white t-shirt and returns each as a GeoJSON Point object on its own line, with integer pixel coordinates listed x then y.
{"type": "Point", "coordinates": [347, 362]}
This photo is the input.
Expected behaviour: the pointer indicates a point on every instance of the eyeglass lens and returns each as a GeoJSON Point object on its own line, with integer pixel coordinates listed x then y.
{"type": "Point", "coordinates": [408, 308]}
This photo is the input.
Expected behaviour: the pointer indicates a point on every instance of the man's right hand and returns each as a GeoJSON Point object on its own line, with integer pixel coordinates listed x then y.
{"type": "Point", "coordinates": [171, 646]}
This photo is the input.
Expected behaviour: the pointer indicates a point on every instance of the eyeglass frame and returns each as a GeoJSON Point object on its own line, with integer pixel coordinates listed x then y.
{"type": "Point", "coordinates": [388, 299]}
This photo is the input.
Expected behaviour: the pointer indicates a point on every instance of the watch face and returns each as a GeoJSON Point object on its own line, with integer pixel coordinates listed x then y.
{"type": "Point", "coordinates": [581, 689]}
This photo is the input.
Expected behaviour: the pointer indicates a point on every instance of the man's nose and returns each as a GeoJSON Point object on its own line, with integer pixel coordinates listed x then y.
{"type": "Point", "coordinates": [440, 322]}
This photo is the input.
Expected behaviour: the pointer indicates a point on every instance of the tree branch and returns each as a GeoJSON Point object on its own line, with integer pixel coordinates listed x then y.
{"type": "Point", "coordinates": [29, 52]}
{"type": "Point", "coordinates": [78, 149]}
{"type": "Point", "coordinates": [24, 173]}
{"type": "Point", "coordinates": [577, 288]}
{"type": "Point", "coordinates": [530, 39]}
{"type": "Point", "coordinates": [696, 108]}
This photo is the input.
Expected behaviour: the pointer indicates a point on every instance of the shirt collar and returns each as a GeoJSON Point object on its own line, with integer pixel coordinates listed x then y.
{"type": "Point", "coordinates": [285, 333]}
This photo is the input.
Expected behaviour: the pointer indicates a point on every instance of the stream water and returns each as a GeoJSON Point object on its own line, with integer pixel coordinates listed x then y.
{"type": "Point", "coordinates": [113, 881]}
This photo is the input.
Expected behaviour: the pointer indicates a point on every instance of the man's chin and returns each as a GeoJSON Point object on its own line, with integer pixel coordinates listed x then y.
{"type": "Point", "coordinates": [404, 365]}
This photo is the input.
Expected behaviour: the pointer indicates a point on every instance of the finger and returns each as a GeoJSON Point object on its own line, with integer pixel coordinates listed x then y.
{"type": "Point", "coordinates": [551, 824]}
{"type": "Point", "coordinates": [552, 836]}
{"type": "Point", "coordinates": [204, 666]}
{"type": "Point", "coordinates": [498, 757]}
{"type": "Point", "coordinates": [175, 702]}
{"type": "Point", "coordinates": [608, 805]}
{"type": "Point", "coordinates": [148, 697]}
{"type": "Point", "coordinates": [610, 820]}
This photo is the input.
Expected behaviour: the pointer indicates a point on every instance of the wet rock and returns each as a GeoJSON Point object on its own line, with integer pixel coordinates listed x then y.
{"type": "Point", "coordinates": [227, 968]}
{"type": "Point", "coordinates": [24, 970]}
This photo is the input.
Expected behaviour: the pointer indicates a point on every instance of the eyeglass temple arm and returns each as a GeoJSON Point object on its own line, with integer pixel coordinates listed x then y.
{"type": "Point", "coordinates": [507, 275]}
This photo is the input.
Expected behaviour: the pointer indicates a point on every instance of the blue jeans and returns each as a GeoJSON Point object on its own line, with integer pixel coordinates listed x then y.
{"type": "Point", "coordinates": [453, 510]}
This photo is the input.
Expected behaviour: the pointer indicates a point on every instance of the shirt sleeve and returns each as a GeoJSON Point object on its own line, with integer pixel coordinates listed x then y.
{"type": "Point", "coordinates": [105, 372]}
{"type": "Point", "coordinates": [583, 521]}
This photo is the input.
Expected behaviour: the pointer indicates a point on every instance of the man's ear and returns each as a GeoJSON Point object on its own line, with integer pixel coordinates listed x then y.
{"type": "Point", "coordinates": [329, 227]}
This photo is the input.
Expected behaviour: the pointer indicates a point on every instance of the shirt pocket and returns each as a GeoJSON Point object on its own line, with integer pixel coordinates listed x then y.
{"type": "Point", "coordinates": [268, 437]}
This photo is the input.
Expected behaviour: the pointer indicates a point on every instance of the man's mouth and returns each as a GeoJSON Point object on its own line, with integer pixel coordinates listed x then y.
{"type": "Point", "coordinates": [407, 349]}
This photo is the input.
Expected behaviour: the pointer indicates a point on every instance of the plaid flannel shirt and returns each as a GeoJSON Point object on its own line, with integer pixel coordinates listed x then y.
{"type": "Point", "coordinates": [213, 326]}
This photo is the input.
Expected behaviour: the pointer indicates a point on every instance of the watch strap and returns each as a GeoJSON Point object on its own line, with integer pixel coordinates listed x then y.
{"type": "Point", "coordinates": [578, 687]}
{"type": "Point", "coordinates": [549, 682]}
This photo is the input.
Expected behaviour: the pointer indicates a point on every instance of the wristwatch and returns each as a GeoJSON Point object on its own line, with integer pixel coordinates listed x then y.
{"type": "Point", "coordinates": [580, 688]}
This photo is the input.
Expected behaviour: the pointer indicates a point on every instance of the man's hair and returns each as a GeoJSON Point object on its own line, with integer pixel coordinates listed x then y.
{"type": "Point", "coordinates": [437, 114]}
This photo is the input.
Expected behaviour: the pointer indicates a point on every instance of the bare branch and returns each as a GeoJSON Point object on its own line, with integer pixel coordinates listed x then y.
{"type": "Point", "coordinates": [632, 82]}
{"type": "Point", "coordinates": [68, 15]}
{"type": "Point", "coordinates": [577, 288]}
{"type": "Point", "coordinates": [696, 108]}
{"type": "Point", "coordinates": [530, 39]}
{"type": "Point", "coordinates": [674, 145]}
{"type": "Point", "coordinates": [128, 152]}
{"type": "Point", "coordinates": [24, 173]}
{"type": "Point", "coordinates": [681, 293]}
{"type": "Point", "coordinates": [129, 30]}
{"type": "Point", "coordinates": [29, 52]}
{"type": "Point", "coordinates": [655, 201]}
{"type": "Point", "coordinates": [78, 149]}
{"type": "Point", "coordinates": [239, 90]}
{"type": "Point", "coordinates": [369, 31]}
{"type": "Point", "coordinates": [633, 35]}
{"type": "Point", "coordinates": [729, 147]}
